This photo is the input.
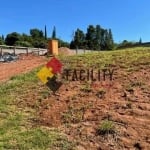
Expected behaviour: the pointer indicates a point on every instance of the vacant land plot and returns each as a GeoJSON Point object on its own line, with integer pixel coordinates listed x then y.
{"type": "Point", "coordinates": [23, 65]}
{"type": "Point", "coordinates": [109, 115]}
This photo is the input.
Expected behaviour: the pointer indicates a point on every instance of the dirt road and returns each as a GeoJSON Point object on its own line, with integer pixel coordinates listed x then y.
{"type": "Point", "coordinates": [23, 65]}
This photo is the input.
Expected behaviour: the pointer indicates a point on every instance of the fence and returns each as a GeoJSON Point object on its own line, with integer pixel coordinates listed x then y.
{"type": "Point", "coordinates": [38, 51]}
{"type": "Point", "coordinates": [83, 51]}
{"type": "Point", "coordinates": [24, 50]}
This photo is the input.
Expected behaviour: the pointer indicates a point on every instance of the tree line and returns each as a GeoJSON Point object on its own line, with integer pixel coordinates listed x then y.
{"type": "Point", "coordinates": [96, 38]}
{"type": "Point", "coordinates": [37, 38]}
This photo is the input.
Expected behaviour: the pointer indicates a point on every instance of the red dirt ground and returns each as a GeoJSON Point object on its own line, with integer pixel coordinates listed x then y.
{"type": "Point", "coordinates": [77, 111]}
{"type": "Point", "coordinates": [23, 65]}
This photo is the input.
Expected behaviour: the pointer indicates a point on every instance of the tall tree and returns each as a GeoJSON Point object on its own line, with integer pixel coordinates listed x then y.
{"type": "Point", "coordinates": [54, 33]}
{"type": "Point", "coordinates": [79, 38]}
{"type": "Point", "coordinates": [98, 37]}
{"type": "Point", "coordinates": [110, 43]}
{"type": "Point", "coordinates": [36, 33]}
{"type": "Point", "coordinates": [38, 39]}
{"type": "Point", "coordinates": [140, 41]}
{"type": "Point", "coordinates": [1, 40]}
{"type": "Point", "coordinates": [25, 37]}
{"type": "Point", "coordinates": [102, 40]}
{"type": "Point", "coordinates": [12, 38]}
{"type": "Point", "coordinates": [106, 40]}
{"type": "Point", "coordinates": [3, 37]}
{"type": "Point", "coordinates": [90, 37]}
{"type": "Point", "coordinates": [45, 33]}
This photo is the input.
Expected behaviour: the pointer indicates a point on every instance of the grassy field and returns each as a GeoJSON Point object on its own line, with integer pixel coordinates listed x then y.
{"type": "Point", "coordinates": [18, 127]}
{"type": "Point", "coordinates": [23, 97]}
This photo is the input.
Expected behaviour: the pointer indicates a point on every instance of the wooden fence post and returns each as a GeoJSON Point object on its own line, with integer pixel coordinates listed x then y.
{"type": "Point", "coordinates": [27, 51]}
{"type": "Point", "coordinates": [38, 51]}
{"type": "Point", "coordinates": [1, 51]}
{"type": "Point", "coordinates": [14, 50]}
{"type": "Point", "coordinates": [76, 51]}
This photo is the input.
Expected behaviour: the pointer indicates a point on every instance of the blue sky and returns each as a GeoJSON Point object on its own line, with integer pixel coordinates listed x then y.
{"type": "Point", "coordinates": [128, 19]}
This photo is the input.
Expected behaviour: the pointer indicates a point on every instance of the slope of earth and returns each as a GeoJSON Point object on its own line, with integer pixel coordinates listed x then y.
{"type": "Point", "coordinates": [83, 115]}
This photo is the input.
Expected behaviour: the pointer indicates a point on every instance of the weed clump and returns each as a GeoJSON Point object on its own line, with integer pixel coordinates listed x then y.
{"type": "Point", "coordinates": [106, 127]}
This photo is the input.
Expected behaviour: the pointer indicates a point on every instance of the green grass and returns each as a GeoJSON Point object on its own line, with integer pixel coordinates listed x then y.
{"type": "Point", "coordinates": [34, 139]}
{"type": "Point", "coordinates": [125, 58]}
{"type": "Point", "coordinates": [16, 128]}
{"type": "Point", "coordinates": [18, 131]}
{"type": "Point", "coordinates": [73, 116]}
{"type": "Point", "coordinates": [106, 127]}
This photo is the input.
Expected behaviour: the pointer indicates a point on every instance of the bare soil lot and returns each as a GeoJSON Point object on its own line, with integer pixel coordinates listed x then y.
{"type": "Point", "coordinates": [23, 65]}
{"type": "Point", "coordinates": [103, 117]}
